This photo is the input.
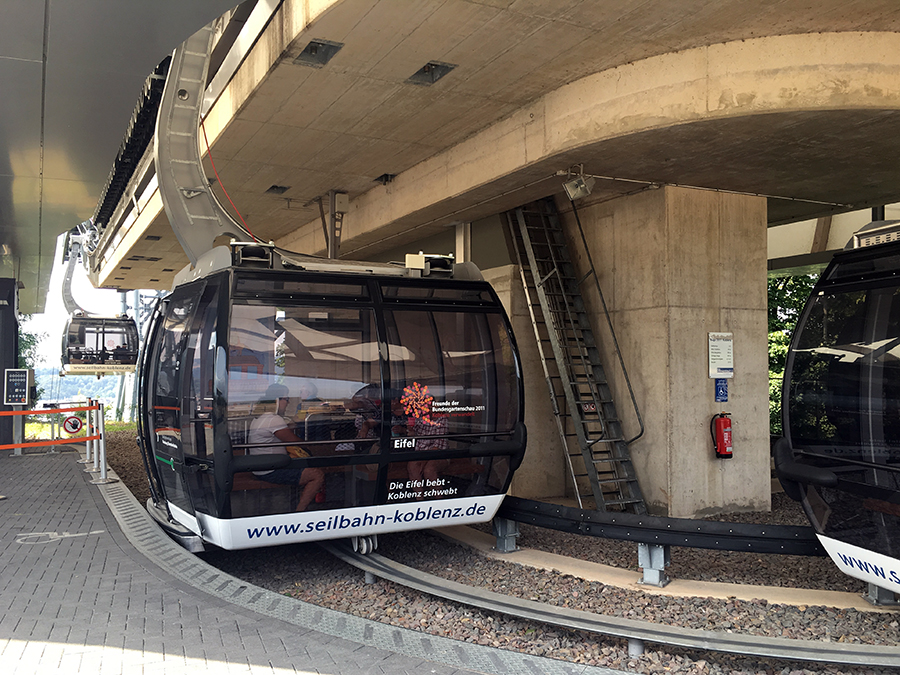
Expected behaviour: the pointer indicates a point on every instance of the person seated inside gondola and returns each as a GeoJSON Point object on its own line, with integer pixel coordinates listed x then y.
{"type": "Point", "coordinates": [268, 428]}
{"type": "Point", "coordinates": [427, 424]}
{"type": "Point", "coordinates": [308, 402]}
{"type": "Point", "coordinates": [399, 419]}
{"type": "Point", "coordinates": [366, 403]}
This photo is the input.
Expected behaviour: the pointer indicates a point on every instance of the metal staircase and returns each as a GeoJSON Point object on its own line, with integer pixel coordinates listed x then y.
{"type": "Point", "coordinates": [586, 417]}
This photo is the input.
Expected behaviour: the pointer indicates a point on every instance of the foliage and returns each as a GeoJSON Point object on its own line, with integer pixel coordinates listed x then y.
{"type": "Point", "coordinates": [121, 426]}
{"type": "Point", "coordinates": [28, 351]}
{"type": "Point", "coordinates": [79, 387]}
{"type": "Point", "coordinates": [787, 297]}
{"type": "Point", "coordinates": [779, 341]}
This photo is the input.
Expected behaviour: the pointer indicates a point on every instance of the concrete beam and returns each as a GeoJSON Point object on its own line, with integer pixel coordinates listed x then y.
{"type": "Point", "coordinates": [782, 74]}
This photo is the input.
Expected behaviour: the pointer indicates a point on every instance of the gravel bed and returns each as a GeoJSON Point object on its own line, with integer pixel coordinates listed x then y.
{"type": "Point", "coordinates": [305, 572]}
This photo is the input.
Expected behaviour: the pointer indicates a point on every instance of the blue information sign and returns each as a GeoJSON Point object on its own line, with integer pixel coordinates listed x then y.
{"type": "Point", "coordinates": [721, 390]}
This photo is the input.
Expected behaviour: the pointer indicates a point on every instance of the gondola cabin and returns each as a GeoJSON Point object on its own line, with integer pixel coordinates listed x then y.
{"type": "Point", "coordinates": [284, 404]}
{"type": "Point", "coordinates": [99, 345]}
{"type": "Point", "coordinates": [840, 455]}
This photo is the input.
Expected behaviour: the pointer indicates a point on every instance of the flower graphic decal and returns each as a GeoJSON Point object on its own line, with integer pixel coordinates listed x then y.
{"type": "Point", "coordinates": [417, 402]}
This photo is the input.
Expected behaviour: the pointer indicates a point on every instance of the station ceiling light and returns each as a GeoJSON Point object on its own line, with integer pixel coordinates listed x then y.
{"type": "Point", "coordinates": [579, 187]}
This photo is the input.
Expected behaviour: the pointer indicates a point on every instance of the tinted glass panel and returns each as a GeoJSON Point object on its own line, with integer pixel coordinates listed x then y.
{"type": "Point", "coordinates": [876, 266]}
{"type": "Point", "coordinates": [101, 341]}
{"type": "Point", "coordinates": [859, 513]}
{"type": "Point", "coordinates": [844, 404]}
{"type": "Point", "coordinates": [446, 478]}
{"type": "Point", "coordinates": [455, 383]}
{"type": "Point", "coordinates": [453, 372]}
{"type": "Point", "coordinates": [845, 380]}
{"type": "Point", "coordinates": [165, 387]}
{"type": "Point", "coordinates": [200, 355]}
{"type": "Point", "coordinates": [437, 292]}
{"type": "Point", "coordinates": [310, 377]}
{"type": "Point", "coordinates": [269, 286]}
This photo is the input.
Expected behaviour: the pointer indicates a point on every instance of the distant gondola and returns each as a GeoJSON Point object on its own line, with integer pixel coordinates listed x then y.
{"type": "Point", "coordinates": [286, 403]}
{"type": "Point", "coordinates": [99, 345]}
{"type": "Point", "coordinates": [840, 455]}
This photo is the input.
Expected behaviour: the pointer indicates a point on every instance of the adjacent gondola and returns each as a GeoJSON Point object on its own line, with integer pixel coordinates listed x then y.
{"type": "Point", "coordinates": [401, 395]}
{"type": "Point", "coordinates": [93, 345]}
{"type": "Point", "coordinates": [840, 455]}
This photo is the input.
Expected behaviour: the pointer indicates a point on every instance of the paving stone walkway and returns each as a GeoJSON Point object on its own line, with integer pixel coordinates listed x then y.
{"type": "Point", "coordinates": [88, 584]}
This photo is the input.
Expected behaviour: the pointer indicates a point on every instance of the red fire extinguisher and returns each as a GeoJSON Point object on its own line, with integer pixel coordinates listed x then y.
{"type": "Point", "coordinates": [720, 429]}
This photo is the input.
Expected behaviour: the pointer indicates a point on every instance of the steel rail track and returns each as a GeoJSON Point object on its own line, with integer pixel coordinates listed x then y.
{"type": "Point", "coordinates": [619, 627]}
{"type": "Point", "coordinates": [779, 539]}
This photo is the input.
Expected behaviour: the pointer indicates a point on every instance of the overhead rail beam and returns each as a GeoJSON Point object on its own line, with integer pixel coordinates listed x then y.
{"type": "Point", "coordinates": [137, 139]}
{"type": "Point", "coordinates": [129, 180]}
{"type": "Point", "coordinates": [195, 214]}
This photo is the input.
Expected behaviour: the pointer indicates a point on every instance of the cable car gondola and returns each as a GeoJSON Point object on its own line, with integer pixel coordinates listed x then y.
{"type": "Point", "coordinates": [93, 345]}
{"type": "Point", "coordinates": [324, 399]}
{"type": "Point", "coordinates": [840, 454]}
{"type": "Point", "coordinates": [99, 345]}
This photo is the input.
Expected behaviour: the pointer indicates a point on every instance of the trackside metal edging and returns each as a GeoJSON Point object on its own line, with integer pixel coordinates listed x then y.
{"type": "Point", "coordinates": [657, 530]}
{"type": "Point", "coordinates": [620, 627]}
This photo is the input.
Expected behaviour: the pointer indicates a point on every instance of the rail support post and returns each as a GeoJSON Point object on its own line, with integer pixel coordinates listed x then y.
{"type": "Point", "coordinates": [881, 597]}
{"type": "Point", "coordinates": [506, 531]}
{"type": "Point", "coordinates": [654, 558]}
{"type": "Point", "coordinates": [635, 647]}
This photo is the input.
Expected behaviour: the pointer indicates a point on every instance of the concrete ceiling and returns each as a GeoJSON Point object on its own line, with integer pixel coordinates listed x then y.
{"type": "Point", "coordinates": [71, 73]}
{"type": "Point", "coordinates": [342, 126]}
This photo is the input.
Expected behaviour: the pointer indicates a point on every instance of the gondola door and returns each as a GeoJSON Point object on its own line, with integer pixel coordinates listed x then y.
{"type": "Point", "coordinates": [166, 386]}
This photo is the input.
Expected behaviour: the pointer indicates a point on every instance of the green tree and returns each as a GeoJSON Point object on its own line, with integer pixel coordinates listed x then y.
{"type": "Point", "coordinates": [787, 296]}
{"type": "Point", "coordinates": [29, 357]}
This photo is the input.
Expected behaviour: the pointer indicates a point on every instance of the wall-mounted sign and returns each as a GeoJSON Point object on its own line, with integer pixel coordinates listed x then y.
{"type": "Point", "coordinates": [721, 355]}
{"type": "Point", "coordinates": [721, 390]}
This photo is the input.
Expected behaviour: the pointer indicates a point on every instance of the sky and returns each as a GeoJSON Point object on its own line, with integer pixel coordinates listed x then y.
{"type": "Point", "coordinates": [53, 321]}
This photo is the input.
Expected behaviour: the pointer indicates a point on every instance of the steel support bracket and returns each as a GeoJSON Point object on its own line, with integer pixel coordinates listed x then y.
{"type": "Point", "coordinates": [506, 532]}
{"type": "Point", "coordinates": [654, 558]}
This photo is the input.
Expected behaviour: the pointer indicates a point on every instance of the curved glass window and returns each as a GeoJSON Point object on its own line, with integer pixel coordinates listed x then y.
{"type": "Point", "coordinates": [323, 361]}
{"type": "Point", "coordinates": [454, 383]}
{"type": "Point", "coordinates": [420, 393]}
{"type": "Point", "coordinates": [91, 340]}
{"type": "Point", "coordinates": [844, 413]}
{"type": "Point", "coordinates": [452, 372]}
{"type": "Point", "coordinates": [845, 375]}
{"type": "Point", "coordinates": [165, 385]}
{"type": "Point", "coordinates": [302, 381]}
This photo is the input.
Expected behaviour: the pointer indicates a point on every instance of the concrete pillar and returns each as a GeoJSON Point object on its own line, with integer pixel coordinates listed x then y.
{"type": "Point", "coordinates": [543, 471]}
{"type": "Point", "coordinates": [9, 345]}
{"type": "Point", "coordinates": [676, 264]}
